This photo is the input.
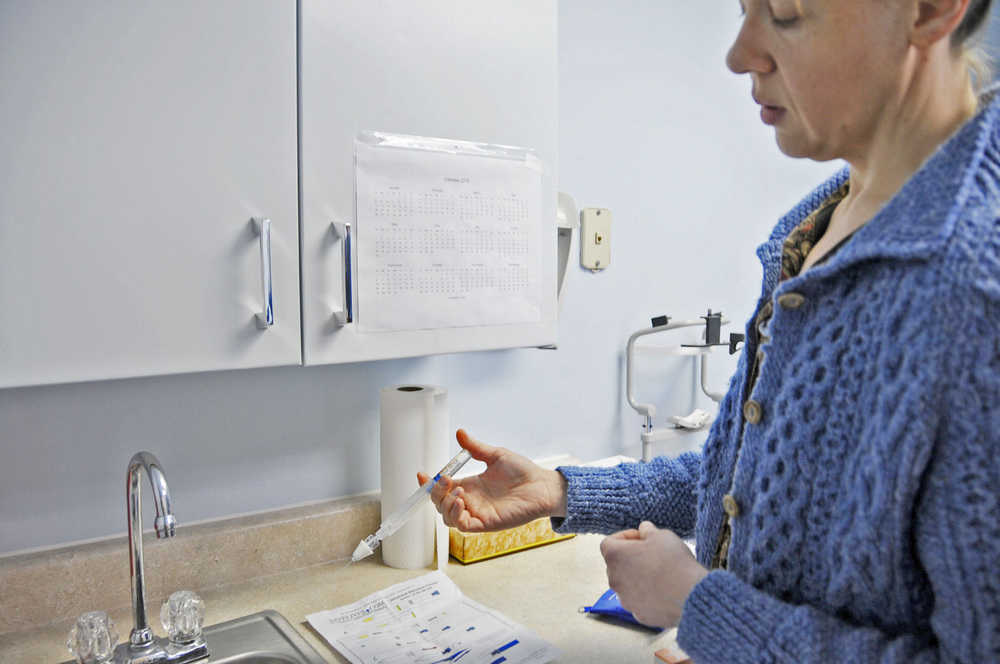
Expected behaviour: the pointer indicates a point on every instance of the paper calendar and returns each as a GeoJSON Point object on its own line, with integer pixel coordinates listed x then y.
{"type": "Point", "coordinates": [449, 233]}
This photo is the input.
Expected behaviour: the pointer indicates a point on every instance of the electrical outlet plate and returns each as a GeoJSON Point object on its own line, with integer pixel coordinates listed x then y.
{"type": "Point", "coordinates": [595, 238]}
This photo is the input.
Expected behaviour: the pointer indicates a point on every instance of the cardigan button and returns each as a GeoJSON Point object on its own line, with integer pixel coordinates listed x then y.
{"type": "Point", "coordinates": [791, 300]}
{"type": "Point", "coordinates": [753, 412]}
{"type": "Point", "coordinates": [731, 507]}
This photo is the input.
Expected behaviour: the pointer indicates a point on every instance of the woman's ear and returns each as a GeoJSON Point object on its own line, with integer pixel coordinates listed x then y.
{"type": "Point", "coordinates": [936, 20]}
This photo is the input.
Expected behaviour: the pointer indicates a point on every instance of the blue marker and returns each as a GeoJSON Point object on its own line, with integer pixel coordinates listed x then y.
{"type": "Point", "coordinates": [453, 657]}
{"type": "Point", "coordinates": [505, 646]}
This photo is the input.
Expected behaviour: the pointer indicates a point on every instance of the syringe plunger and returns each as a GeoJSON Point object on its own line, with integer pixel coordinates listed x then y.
{"type": "Point", "coordinates": [402, 514]}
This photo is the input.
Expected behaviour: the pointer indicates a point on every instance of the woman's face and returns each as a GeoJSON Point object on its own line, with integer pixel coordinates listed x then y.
{"type": "Point", "coordinates": [825, 72]}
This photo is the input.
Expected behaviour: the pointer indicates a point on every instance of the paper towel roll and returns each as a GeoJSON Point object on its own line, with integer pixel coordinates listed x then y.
{"type": "Point", "coordinates": [413, 435]}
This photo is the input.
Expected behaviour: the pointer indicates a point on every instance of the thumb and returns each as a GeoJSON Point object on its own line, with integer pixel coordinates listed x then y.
{"type": "Point", "coordinates": [646, 528]}
{"type": "Point", "coordinates": [479, 451]}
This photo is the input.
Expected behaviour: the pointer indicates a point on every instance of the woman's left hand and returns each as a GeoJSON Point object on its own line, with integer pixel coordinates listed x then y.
{"type": "Point", "coordinates": [653, 572]}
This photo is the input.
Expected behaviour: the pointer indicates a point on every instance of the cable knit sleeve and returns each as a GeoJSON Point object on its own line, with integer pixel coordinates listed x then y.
{"type": "Point", "coordinates": [606, 500]}
{"type": "Point", "coordinates": [956, 530]}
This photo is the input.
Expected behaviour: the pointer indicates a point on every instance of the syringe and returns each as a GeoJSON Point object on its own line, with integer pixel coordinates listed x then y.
{"type": "Point", "coordinates": [397, 519]}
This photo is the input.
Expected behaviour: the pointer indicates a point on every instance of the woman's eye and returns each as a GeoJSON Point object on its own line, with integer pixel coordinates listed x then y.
{"type": "Point", "coordinates": [784, 22]}
{"type": "Point", "coordinates": [785, 13]}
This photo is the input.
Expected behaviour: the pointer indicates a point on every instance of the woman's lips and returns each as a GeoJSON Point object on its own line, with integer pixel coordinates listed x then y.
{"type": "Point", "coordinates": [771, 115]}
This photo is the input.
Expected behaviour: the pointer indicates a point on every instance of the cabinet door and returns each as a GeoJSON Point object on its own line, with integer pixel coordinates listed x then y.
{"type": "Point", "coordinates": [139, 139]}
{"type": "Point", "coordinates": [482, 71]}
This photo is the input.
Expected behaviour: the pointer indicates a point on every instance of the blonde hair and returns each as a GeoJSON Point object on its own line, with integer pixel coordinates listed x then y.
{"type": "Point", "coordinates": [968, 37]}
{"type": "Point", "coordinates": [979, 65]}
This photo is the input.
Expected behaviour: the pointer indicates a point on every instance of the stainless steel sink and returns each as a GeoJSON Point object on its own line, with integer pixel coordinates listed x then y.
{"type": "Point", "coordinates": [260, 638]}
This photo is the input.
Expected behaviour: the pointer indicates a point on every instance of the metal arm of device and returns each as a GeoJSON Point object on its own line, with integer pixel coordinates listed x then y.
{"type": "Point", "coordinates": [712, 322]}
{"type": "Point", "coordinates": [659, 324]}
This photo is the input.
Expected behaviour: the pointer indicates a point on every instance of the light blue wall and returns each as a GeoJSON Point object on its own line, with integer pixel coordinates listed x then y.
{"type": "Point", "coordinates": [652, 126]}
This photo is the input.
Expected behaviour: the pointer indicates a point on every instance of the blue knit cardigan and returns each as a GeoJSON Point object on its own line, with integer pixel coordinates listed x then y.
{"type": "Point", "coordinates": [869, 518]}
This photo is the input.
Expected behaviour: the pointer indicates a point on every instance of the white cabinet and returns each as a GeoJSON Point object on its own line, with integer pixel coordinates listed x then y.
{"type": "Point", "coordinates": [482, 71]}
{"type": "Point", "coordinates": [139, 139]}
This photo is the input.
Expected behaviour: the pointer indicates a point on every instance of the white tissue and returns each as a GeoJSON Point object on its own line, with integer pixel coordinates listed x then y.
{"type": "Point", "coordinates": [413, 435]}
{"type": "Point", "coordinates": [696, 420]}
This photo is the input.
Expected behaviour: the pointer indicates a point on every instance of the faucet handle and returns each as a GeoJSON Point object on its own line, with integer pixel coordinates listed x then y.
{"type": "Point", "coordinates": [93, 637]}
{"type": "Point", "coordinates": [182, 616]}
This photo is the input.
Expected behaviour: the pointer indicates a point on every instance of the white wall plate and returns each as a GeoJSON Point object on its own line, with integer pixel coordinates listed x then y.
{"type": "Point", "coordinates": [595, 238]}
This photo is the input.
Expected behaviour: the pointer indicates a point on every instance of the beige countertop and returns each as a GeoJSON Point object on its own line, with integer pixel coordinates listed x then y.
{"type": "Point", "coordinates": [541, 588]}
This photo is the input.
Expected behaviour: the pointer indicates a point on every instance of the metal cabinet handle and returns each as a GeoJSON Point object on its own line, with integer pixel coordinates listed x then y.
{"type": "Point", "coordinates": [346, 314]}
{"type": "Point", "coordinates": [262, 226]}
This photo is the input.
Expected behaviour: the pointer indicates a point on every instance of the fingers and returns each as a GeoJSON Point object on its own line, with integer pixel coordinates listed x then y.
{"type": "Point", "coordinates": [455, 512]}
{"type": "Point", "coordinates": [611, 549]}
{"type": "Point", "coordinates": [449, 500]}
{"type": "Point", "coordinates": [440, 490]}
{"type": "Point", "coordinates": [446, 506]}
{"type": "Point", "coordinates": [631, 534]}
{"type": "Point", "coordinates": [646, 528]}
{"type": "Point", "coordinates": [479, 451]}
{"type": "Point", "coordinates": [611, 544]}
{"type": "Point", "coordinates": [614, 543]}
{"type": "Point", "coordinates": [457, 507]}
{"type": "Point", "coordinates": [452, 506]}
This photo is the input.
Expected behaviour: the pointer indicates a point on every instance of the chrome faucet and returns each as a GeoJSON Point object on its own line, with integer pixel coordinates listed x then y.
{"type": "Point", "coordinates": [143, 646]}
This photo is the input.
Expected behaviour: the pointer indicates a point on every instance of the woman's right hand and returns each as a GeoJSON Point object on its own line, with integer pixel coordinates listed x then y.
{"type": "Point", "coordinates": [511, 491]}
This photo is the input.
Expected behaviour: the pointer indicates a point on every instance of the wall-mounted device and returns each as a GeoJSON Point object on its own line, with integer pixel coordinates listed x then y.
{"type": "Point", "coordinates": [595, 238]}
{"type": "Point", "coordinates": [712, 323]}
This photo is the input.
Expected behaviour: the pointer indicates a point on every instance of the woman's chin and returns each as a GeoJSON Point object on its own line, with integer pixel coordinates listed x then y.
{"type": "Point", "coordinates": [797, 148]}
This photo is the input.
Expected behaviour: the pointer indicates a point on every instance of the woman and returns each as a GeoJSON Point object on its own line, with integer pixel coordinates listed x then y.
{"type": "Point", "coordinates": [846, 501]}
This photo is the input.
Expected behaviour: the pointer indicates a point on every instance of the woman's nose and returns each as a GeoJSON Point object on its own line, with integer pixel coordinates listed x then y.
{"type": "Point", "coordinates": [747, 53]}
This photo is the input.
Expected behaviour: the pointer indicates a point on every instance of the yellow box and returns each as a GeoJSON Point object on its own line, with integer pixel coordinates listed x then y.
{"type": "Point", "coordinates": [472, 547]}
